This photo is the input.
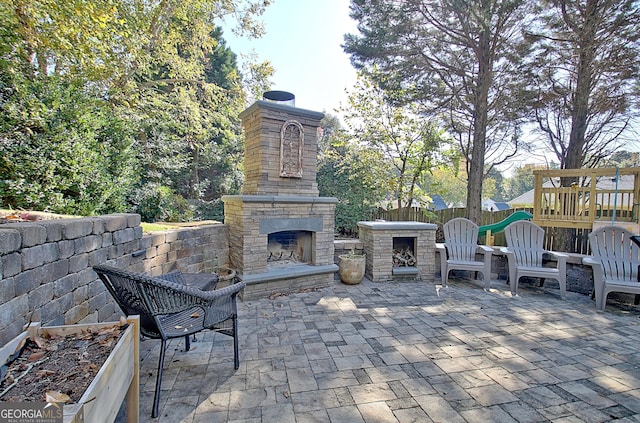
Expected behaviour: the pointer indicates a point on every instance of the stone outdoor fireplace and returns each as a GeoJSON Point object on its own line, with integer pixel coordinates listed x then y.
{"type": "Point", "coordinates": [280, 231]}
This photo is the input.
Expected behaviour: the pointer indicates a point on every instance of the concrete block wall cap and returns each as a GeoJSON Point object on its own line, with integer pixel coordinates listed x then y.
{"type": "Point", "coordinates": [278, 199]}
{"type": "Point", "coordinates": [348, 243]}
{"type": "Point", "coordinates": [398, 225]}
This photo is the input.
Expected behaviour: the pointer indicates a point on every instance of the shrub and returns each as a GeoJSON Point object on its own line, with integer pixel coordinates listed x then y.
{"type": "Point", "coordinates": [157, 203]}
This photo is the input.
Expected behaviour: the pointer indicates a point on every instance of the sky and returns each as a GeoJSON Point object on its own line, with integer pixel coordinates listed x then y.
{"type": "Point", "coordinates": [303, 43]}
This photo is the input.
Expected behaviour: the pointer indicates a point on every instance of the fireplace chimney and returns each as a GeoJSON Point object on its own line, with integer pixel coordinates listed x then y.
{"type": "Point", "coordinates": [282, 97]}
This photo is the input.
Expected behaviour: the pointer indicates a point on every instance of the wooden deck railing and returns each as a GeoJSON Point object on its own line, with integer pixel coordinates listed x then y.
{"type": "Point", "coordinates": [597, 196]}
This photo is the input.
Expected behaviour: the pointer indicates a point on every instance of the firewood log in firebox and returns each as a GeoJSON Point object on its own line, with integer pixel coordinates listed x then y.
{"type": "Point", "coordinates": [403, 257]}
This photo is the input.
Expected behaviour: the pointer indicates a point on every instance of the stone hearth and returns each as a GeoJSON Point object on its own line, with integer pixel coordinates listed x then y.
{"type": "Point", "coordinates": [280, 231]}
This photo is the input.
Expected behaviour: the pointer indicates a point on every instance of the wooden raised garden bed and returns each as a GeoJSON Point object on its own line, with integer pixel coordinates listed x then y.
{"type": "Point", "coordinates": [117, 379]}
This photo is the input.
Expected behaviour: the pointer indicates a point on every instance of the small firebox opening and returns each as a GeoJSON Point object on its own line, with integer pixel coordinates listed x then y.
{"type": "Point", "coordinates": [404, 252]}
{"type": "Point", "coordinates": [287, 248]}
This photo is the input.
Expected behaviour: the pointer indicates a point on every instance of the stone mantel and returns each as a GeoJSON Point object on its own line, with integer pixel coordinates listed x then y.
{"type": "Point", "coordinates": [290, 199]}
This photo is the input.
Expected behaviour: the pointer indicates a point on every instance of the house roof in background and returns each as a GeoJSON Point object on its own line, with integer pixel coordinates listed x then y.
{"type": "Point", "coordinates": [438, 202]}
{"type": "Point", "coordinates": [491, 205]}
{"type": "Point", "coordinates": [526, 198]}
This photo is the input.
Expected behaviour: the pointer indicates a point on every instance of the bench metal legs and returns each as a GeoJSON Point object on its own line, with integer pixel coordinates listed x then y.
{"type": "Point", "coordinates": [156, 397]}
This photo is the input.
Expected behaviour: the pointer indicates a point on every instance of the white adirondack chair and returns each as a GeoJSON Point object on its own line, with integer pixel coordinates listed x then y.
{"type": "Point", "coordinates": [524, 253]}
{"type": "Point", "coordinates": [615, 260]}
{"type": "Point", "coordinates": [460, 248]}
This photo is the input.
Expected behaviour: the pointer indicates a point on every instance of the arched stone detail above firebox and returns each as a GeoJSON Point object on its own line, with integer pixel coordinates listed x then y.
{"type": "Point", "coordinates": [291, 148]}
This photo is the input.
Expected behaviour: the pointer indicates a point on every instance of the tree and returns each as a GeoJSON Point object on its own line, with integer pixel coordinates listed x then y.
{"type": "Point", "coordinates": [190, 93]}
{"type": "Point", "coordinates": [61, 151]}
{"type": "Point", "coordinates": [520, 182]}
{"type": "Point", "coordinates": [623, 158]}
{"type": "Point", "coordinates": [255, 78]}
{"type": "Point", "coordinates": [447, 182]}
{"type": "Point", "coordinates": [207, 130]}
{"type": "Point", "coordinates": [458, 58]}
{"type": "Point", "coordinates": [585, 72]}
{"type": "Point", "coordinates": [450, 182]}
{"type": "Point", "coordinates": [347, 171]}
{"type": "Point", "coordinates": [408, 144]}
{"type": "Point", "coordinates": [142, 90]}
{"type": "Point", "coordinates": [497, 191]}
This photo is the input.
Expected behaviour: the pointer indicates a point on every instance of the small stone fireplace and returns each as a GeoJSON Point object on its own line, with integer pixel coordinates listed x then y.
{"type": "Point", "coordinates": [399, 250]}
{"type": "Point", "coordinates": [280, 231]}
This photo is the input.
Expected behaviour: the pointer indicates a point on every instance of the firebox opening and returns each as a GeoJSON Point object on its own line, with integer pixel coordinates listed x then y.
{"type": "Point", "coordinates": [287, 248]}
{"type": "Point", "coordinates": [404, 252]}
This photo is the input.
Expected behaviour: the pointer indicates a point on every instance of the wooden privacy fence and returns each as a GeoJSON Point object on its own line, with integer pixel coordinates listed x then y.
{"type": "Point", "coordinates": [418, 214]}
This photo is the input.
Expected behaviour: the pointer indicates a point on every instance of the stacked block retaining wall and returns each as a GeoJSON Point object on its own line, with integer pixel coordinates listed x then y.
{"type": "Point", "coordinates": [46, 266]}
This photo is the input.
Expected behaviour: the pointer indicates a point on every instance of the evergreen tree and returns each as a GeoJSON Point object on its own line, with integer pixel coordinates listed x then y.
{"type": "Point", "coordinates": [585, 74]}
{"type": "Point", "coordinates": [461, 60]}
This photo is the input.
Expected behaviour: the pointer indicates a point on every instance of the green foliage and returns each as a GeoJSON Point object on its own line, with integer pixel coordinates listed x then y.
{"type": "Point", "coordinates": [345, 172]}
{"type": "Point", "coordinates": [404, 145]}
{"type": "Point", "coordinates": [210, 210]}
{"type": "Point", "coordinates": [256, 78]}
{"type": "Point", "coordinates": [336, 178]}
{"type": "Point", "coordinates": [107, 104]}
{"type": "Point", "coordinates": [190, 133]}
{"type": "Point", "coordinates": [448, 183]}
{"type": "Point", "coordinates": [156, 203]}
{"type": "Point", "coordinates": [623, 158]}
{"type": "Point", "coordinates": [520, 182]}
{"type": "Point", "coordinates": [493, 186]}
{"type": "Point", "coordinates": [62, 151]}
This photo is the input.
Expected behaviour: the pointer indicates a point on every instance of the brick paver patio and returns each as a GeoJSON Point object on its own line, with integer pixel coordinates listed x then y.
{"type": "Point", "coordinates": [407, 352]}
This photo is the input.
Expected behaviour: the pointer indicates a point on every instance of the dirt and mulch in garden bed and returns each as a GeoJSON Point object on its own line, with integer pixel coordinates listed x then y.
{"type": "Point", "coordinates": [17, 216]}
{"type": "Point", "coordinates": [14, 216]}
{"type": "Point", "coordinates": [58, 368]}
